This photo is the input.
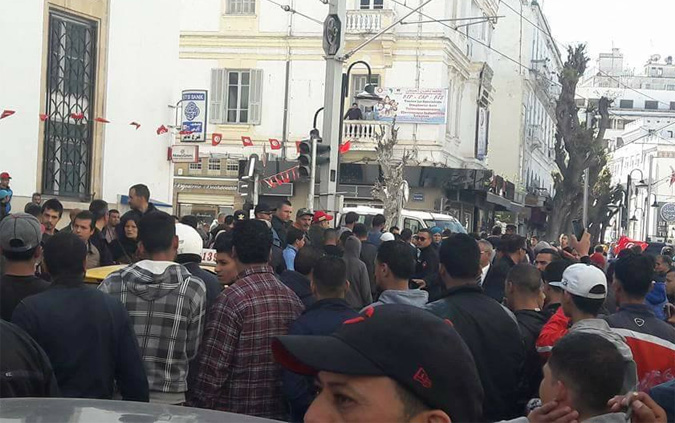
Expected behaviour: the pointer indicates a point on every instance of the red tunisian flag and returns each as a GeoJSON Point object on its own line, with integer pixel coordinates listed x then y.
{"type": "Point", "coordinates": [246, 141]}
{"type": "Point", "coordinates": [672, 177]}
{"type": "Point", "coordinates": [275, 144]}
{"type": "Point", "coordinates": [162, 130]}
{"type": "Point", "coordinates": [625, 242]}
{"type": "Point", "coordinates": [6, 113]}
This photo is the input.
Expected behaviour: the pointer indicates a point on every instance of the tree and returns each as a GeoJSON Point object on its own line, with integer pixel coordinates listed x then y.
{"type": "Point", "coordinates": [577, 145]}
{"type": "Point", "coordinates": [599, 212]}
{"type": "Point", "coordinates": [389, 188]}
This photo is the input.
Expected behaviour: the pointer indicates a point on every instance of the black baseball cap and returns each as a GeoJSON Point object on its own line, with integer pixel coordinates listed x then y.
{"type": "Point", "coordinates": [263, 208]}
{"type": "Point", "coordinates": [240, 215]}
{"type": "Point", "coordinates": [418, 350]}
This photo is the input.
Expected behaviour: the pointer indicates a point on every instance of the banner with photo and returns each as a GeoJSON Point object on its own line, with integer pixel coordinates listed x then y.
{"type": "Point", "coordinates": [411, 105]}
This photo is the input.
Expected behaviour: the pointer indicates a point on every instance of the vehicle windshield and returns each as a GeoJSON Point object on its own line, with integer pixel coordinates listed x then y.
{"type": "Point", "coordinates": [454, 226]}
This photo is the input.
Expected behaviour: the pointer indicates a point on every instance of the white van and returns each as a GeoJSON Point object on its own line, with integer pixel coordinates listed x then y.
{"type": "Point", "coordinates": [414, 220]}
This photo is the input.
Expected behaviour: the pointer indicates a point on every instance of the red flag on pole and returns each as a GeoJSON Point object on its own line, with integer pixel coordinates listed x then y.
{"type": "Point", "coordinates": [6, 113]}
{"type": "Point", "coordinates": [345, 147]}
{"type": "Point", "coordinates": [77, 116]}
{"type": "Point", "coordinates": [136, 124]}
{"type": "Point", "coordinates": [44, 116]}
{"type": "Point", "coordinates": [275, 144]}
{"type": "Point", "coordinates": [102, 120]}
{"type": "Point", "coordinates": [216, 139]}
{"type": "Point", "coordinates": [162, 130]}
{"type": "Point", "coordinates": [246, 141]}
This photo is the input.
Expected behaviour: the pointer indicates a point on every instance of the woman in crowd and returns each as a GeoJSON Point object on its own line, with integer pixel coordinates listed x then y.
{"type": "Point", "coordinates": [124, 248]}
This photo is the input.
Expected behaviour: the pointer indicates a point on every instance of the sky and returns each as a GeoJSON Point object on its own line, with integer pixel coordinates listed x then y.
{"type": "Point", "coordinates": [639, 28]}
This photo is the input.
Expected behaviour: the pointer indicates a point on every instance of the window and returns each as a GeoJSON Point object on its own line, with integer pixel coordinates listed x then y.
{"type": "Point", "coordinates": [236, 96]}
{"type": "Point", "coordinates": [626, 104]}
{"type": "Point", "coordinates": [413, 224]}
{"type": "Point", "coordinates": [240, 7]}
{"type": "Point", "coordinates": [214, 164]}
{"type": "Point", "coordinates": [670, 87]}
{"type": "Point", "coordinates": [651, 105]}
{"type": "Point", "coordinates": [71, 82]}
{"type": "Point", "coordinates": [359, 83]}
{"type": "Point", "coordinates": [195, 166]}
{"type": "Point", "coordinates": [232, 167]}
{"type": "Point", "coordinates": [648, 86]}
{"type": "Point", "coordinates": [372, 4]}
{"type": "Point", "coordinates": [672, 105]}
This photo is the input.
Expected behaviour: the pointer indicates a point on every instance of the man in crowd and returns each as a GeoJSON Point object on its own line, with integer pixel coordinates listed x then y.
{"type": "Point", "coordinates": [264, 212]}
{"type": "Point", "coordinates": [525, 298]}
{"type": "Point", "coordinates": [298, 280]}
{"type": "Point", "coordinates": [167, 307]}
{"type": "Point", "coordinates": [365, 372]}
{"type": "Point", "coordinates": [189, 254]}
{"type": "Point", "coordinates": [553, 293]}
{"type": "Point", "coordinates": [330, 243]}
{"type": "Point", "coordinates": [303, 220]}
{"type": "Point", "coordinates": [406, 236]}
{"type": "Point", "coordinates": [109, 232]}
{"type": "Point", "coordinates": [496, 236]}
{"type": "Point", "coordinates": [490, 333]}
{"type": "Point", "coordinates": [320, 222]}
{"type": "Point", "coordinates": [99, 209]}
{"type": "Point", "coordinates": [511, 229]}
{"type": "Point", "coordinates": [236, 371]}
{"type": "Point", "coordinates": [376, 230]}
{"type": "Point", "coordinates": [394, 266]}
{"type": "Point", "coordinates": [71, 216]}
{"type": "Point", "coordinates": [295, 240]}
{"type": "Point", "coordinates": [52, 210]}
{"type": "Point", "coordinates": [4, 185]}
{"type": "Point", "coordinates": [368, 254]}
{"type": "Point", "coordinates": [486, 251]}
{"type": "Point", "coordinates": [657, 297]}
{"type": "Point", "coordinates": [360, 293]}
{"type": "Point", "coordinates": [86, 334]}
{"type": "Point", "coordinates": [354, 113]}
{"type": "Point", "coordinates": [329, 286]}
{"type": "Point", "coordinates": [36, 199]}
{"type": "Point", "coordinates": [514, 252]}
{"type": "Point", "coordinates": [20, 239]}
{"type": "Point", "coordinates": [426, 270]}
{"type": "Point", "coordinates": [351, 219]}
{"type": "Point", "coordinates": [395, 230]}
{"type": "Point", "coordinates": [281, 220]}
{"type": "Point", "coordinates": [84, 228]}
{"type": "Point", "coordinates": [651, 340]}
{"type": "Point", "coordinates": [545, 257]}
{"type": "Point", "coordinates": [139, 199]}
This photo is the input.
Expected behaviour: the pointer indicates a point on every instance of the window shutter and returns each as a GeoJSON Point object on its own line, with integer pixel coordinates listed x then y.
{"type": "Point", "coordinates": [255, 97]}
{"type": "Point", "coordinates": [218, 82]}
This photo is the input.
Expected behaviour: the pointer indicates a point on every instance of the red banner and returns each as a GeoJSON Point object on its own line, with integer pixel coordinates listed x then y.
{"type": "Point", "coordinates": [275, 144]}
{"type": "Point", "coordinates": [247, 141]}
{"type": "Point", "coordinates": [625, 242]}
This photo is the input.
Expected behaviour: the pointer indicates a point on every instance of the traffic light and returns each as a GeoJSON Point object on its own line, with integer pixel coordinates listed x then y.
{"type": "Point", "coordinates": [305, 159]}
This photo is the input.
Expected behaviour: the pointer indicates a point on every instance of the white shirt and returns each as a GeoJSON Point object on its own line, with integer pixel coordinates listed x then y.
{"type": "Point", "coordinates": [485, 271]}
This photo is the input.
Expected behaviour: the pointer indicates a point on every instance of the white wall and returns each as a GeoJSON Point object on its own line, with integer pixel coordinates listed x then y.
{"type": "Point", "coordinates": [20, 75]}
{"type": "Point", "coordinates": [199, 15]}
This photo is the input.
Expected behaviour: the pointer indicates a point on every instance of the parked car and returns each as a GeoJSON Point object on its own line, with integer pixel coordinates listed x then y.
{"type": "Point", "coordinates": [412, 219]}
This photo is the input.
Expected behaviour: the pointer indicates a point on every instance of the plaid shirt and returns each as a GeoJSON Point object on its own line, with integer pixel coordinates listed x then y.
{"type": "Point", "coordinates": [237, 372]}
{"type": "Point", "coordinates": [167, 308]}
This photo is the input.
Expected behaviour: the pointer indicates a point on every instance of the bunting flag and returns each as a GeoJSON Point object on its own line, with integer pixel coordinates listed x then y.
{"type": "Point", "coordinates": [102, 120]}
{"type": "Point", "coordinates": [246, 141]}
{"type": "Point", "coordinates": [216, 139]}
{"type": "Point", "coordinates": [672, 177]}
{"type": "Point", "coordinates": [6, 113]}
{"type": "Point", "coordinates": [44, 116]}
{"type": "Point", "coordinates": [345, 147]}
{"type": "Point", "coordinates": [297, 146]}
{"type": "Point", "coordinates": [77, 116]}
{"type": "Point", "coordinates": [285, 177]}
{"type": "Point", "coordinates": [162, 130]}
{"type": "Point", "coordinates": [136, 124]}
{"type": "Point", "coordinates": [275, 144]}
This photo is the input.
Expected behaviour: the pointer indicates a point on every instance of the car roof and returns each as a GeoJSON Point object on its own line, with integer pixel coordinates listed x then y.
{"type": "Point", "coordinates": [411, 213]}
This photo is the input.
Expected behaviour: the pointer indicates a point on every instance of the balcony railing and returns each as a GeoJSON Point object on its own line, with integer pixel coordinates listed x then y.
{"type": "Point", "coordinates": [367, 21]}
{"type": "Point", "coordinates": [363, 133]}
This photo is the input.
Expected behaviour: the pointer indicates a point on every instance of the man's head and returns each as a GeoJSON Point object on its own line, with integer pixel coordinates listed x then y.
{"type": "Point", "coordinates": [51, 214]}
{"type": "Point", "coordinates": [437, 234]}
{"type": "Point", "coordinates": [486, 251]}
{"type": "Point", "coordinates": [190, 220]}
{"type": "Point", "coordinates": [496, 230]}
{"type": "Point", "coordinates": [406, 235]}
{"type": "Point", "coordinates": [534, 240]}
{"type": "Point", "coordinates": [633, 276]}
{"type": "Point", "coordinates": [523, 287]}
{"type": "Point", "coordinates": [394, 265]}
{"type": "Point", "coordinates": [329, 278]}
{"type": "Point", "coordinates": [139, 196]}
{"type": "Point", "coordinates": [113, 218]}
{"type": "Point", "coordinates": [285, 211]}
{"type": "Point", "coordinates": [585, 289]}
{"type": "Point", "coordinates": [330, 237]}
{"type": "Point", "coordinates": [365, 372]}
{"type": "Point", "coordinates": [226, 265]}
{"type": "Point", "coordinates": [20, 237]}
{"type": "Point", "coordinates": [460, 260]}
{"type": "Point", "coordinates": [351, 218]}
{"type": "Point", "coordinates": [84, 225]}
{"type": "Point", "coordinates": [511, 229]}
{"type": "Point", "coordinates": [378, 222]}
{"type": "Point", "coordinates": [545, 257]}
{"type": "Point", "coordinates": [584, 372]}
{"type": "Point", "coordinates": [99, 209]}
{"type": "Point", "coordinates": [252, 241]}
{"type": "Point", "coordinates": [33, 210]}
{"type": "Point", "coordinates": [395, 230]}
{"type": "Point", "coordinates": [221, 218]}
{"type": "Point", "coordinates": [72, 214]}
{"type": "Point", "coordinates": [514, 246]}
{"type": "Point", "coordinates": [322, 218]}
{"type": "Point", "coordinates": [303, 219]}
{"type": "Point", "coordinates": [360, 231]}
{"type": "Point", "coordinates": [553, 281]}
{"type": "Point", "coordinates": [264, 212]}
{"type": "Point", "coordinates": [663, 264]}
{"type": "Point", "coordinates": [36, 198]}
{"type": "Point", "coordinates": [424, 238]}
{"type": "Point", "coordinates": [4, 180]}
{"type": "Point", "coordinates": [355, 106]}
{"type": "Point", "coordinates": [295, 237]}
{"type": "Point", "coordinates": [190, 244]}
{"type": "Point", "coordinates": [157, 235]}
{"type": "Point", "coordinates": [64, 256]}
{"type": "Point", "coordinates": [306, 260]}
{"type": "Point", "coordinates": [670, 283]}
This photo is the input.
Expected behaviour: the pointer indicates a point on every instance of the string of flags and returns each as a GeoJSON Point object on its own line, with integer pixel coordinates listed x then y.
{"type": "Point", "coordinates": [285, 177]}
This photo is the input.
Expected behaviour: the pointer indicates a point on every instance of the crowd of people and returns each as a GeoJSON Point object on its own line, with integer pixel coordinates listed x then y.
{"type": "Point", "coordinates": [304, 320]}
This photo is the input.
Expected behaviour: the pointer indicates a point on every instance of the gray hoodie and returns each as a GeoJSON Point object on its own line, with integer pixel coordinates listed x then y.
{"type": "Point", "coordinates": [412, 297]}
{"type": "Point", "coordinates": [359, 294]}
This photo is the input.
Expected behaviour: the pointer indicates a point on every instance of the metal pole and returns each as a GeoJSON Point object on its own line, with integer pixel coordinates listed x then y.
{"type": "Point", "coordinates": [648, 207]}
{"type": "Point", "coordinates": [312, 177]}
{"type": "Point", "coordinates": [585, 216]}
{"type": "Point", "coordinates": [256, 188]}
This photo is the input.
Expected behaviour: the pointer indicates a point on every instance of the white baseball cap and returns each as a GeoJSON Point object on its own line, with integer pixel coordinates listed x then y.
{"type": "Point", "coordinates": [189, 241]}
{"type": "Point", "coordinates": [580, 279]}
{"type": "Point", "coordinates": [387, 236]}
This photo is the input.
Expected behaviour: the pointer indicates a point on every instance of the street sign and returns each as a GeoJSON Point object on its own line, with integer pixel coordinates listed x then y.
{"type": "Point", "coordinates": [184, 153]}
{"type": "Point", "coordinates": [332, 34]}
{"type": "Point", "coordinates": [668, 212]}
{"type": "Point", "coordinates": [193, 121]}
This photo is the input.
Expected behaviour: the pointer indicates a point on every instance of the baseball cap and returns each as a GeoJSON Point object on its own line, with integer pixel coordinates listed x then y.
{"type": "Point", "coordinates": [321, 216]}
{"type": "Point", "coordinates": [583, 280]}
{"type": "Point", "coordinates": [20, 232]}
{"type": "Point", "coordinates": [5, 175]}
{"type": "Point", "coordinates": [387, 236]}
{"type": "Point", "coordinates": [541, 245]}
{"type": "Point", "coordinates": [598, 259]}
{"type": "Point", "coordinates": [418, 350]}
{"type": "Point", "coordinates": [263, 208]}
{"type": "Point", "coordinates": [189, 241]}
{"type": "Point", "coordinates": [240, 215]}
{"type": "Point", "coordinates": [3, 193]}
{"type": "Point", "coordinates": [303, 212]}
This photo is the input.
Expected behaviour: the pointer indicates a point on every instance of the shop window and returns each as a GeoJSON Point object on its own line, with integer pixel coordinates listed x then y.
{"type": "Point", "coordinates": [195, 166]}
{"type": "Point", "coordinates": [214, 165]}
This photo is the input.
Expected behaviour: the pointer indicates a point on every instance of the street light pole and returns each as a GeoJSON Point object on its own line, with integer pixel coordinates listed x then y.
{"type": "Point", "coordinates": [648, 210]}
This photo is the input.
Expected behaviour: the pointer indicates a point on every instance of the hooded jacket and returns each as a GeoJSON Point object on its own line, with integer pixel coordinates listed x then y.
{"type": "Point", "coordinates": [411, 297]}
{"type": "Point", "coordinates": [166, 305]}
{"type": "Point", "coordinates": [359, 294]}
{"type": "Point", "coordinates": [657, 299]}
{"type": "Point", "coordinates": [530, 323]}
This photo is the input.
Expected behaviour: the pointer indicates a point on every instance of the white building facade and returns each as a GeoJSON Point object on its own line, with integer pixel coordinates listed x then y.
{"type": "Point", "coordinates": [71, 63]}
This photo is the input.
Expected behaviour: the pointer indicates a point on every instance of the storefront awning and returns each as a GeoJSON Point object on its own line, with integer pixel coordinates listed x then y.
{"type": "Point", "coordinates": [504, 203]}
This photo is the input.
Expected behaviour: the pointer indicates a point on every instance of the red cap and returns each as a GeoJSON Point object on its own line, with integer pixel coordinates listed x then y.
{"type": "Point", "coordinates": [598, 260]}
{"type": "Point", "coordinates": [321, 216]}
{"type": "Point", "coordinates": [5, 175]}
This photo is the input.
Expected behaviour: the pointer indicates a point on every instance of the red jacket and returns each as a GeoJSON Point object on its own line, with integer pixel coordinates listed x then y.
{"type": "Point", "coordinates": [556, 327]}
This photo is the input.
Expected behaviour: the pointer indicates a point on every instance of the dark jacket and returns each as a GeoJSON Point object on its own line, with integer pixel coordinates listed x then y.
{"type": "Point", "coordinates": [25, 370]}
{"type": "Point", "coordinates": [332, 250]}
{"type": "Point", "coordinates": [320, 319]}
{"type": "Point", "coordinates": [124, 250]}
{"type": "Point", "coordinates": [13, 289]}
{"type": "Point", "coordinates": [495, 342]}
{"type": "Point", "coordinates": [494, 282]}
{"type": "Point", "coordinates": [98, 240]}
{"type": "Point", "coordinates": [282, 229]}
{"type": "Point", "coordinates": [368, 256]}
{"type": "Point", "coordinates": [359, 294]}
{"type": "Point", "coordinates": [299, 284]}
{"type": "Point", "coordinates": [88, 337]}
{"type": "Point", "coordinates": [427, 269]}
{"type": "Point", "coordinates": [530, 323]}
{"type": "Point", "coordinates": [315, 235]}
{"type": "Point", "coordinates": [213, 286]}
